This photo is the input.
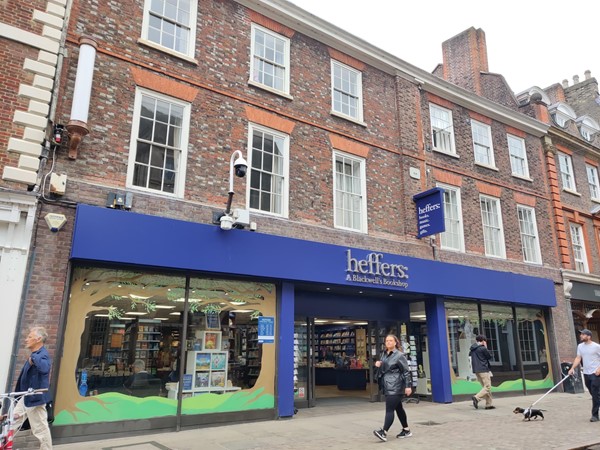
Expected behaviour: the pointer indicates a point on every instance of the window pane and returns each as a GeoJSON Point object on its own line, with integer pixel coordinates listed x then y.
{"type": "Point", "coordinates": [160, 124]}
{"type": "Point", "coordinates": [267, 172]}
{"type": "Point", "coordinates": [348, 192]}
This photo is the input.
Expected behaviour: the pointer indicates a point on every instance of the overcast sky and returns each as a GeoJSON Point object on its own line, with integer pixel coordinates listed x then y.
{"type": "Point", "coordinates": [530, 42]}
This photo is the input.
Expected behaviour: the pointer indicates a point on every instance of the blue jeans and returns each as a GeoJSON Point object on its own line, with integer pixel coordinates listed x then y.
{"type": "Point", "coordinates": [592, 383]}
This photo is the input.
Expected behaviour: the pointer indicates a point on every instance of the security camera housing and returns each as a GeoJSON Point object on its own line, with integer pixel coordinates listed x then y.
{"type": "Point", "coordinates": [226, 222]}
{"type": "Point", "coordinates": [240, 170]}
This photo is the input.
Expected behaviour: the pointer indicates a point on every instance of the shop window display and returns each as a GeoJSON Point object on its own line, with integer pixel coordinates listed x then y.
{"type": "Point", "coordinates": [506, 335]}
{"type": "Point", "coordinates": [125, 348]}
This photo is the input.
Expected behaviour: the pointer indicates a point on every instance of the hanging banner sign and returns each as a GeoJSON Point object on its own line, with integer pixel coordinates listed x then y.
{"type": "Point", "coordinates": [430, 212]}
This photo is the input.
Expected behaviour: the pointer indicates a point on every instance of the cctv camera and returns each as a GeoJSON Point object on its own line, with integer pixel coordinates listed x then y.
{"type": "Point", "coordinates": [241, 166]}
{"type": "Point", "coordinates": [226, 222]}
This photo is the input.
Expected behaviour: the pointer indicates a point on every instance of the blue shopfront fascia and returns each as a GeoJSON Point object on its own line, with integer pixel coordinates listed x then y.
{"type": "Point", "coordinates": [121, 237]}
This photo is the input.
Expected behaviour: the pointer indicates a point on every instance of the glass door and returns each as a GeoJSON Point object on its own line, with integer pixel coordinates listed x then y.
{"type": "Point", "coordinates": [375, 342]}
{"type": "Point", "coordinates": [304, 369]}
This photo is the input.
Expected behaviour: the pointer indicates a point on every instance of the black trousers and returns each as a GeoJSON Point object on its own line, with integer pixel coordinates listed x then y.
{"type": "Point", "coordinates": [592, 382]}
{"type": "Point", "coordinates": [393, 404]}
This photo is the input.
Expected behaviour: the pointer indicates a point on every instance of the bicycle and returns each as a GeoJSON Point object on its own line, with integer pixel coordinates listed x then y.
{"type": "Point", "coordinates": [7, 420]}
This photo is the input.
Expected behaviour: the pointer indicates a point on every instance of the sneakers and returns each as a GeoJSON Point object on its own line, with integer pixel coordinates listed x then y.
{"type": "Point", "coordinates": [381, 434]}
{"type": "Point", "coordinates": [594, 419]}
{"type": "Point", "coordinates": [404, 434]}
{"type": "Point", "coordinates": [475, 402]}
{"type": "Point", "coordinates": [490, 407]}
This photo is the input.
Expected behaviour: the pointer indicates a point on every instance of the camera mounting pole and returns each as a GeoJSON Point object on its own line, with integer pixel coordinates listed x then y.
{"type": "Point", "coordinates": [240, 166]}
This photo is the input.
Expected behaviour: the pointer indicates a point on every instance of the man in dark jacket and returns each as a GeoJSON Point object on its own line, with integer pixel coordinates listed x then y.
{"type": "Point", "coordinates": [35, 375]}
{"type": "Point", "coordinates": [480, 362]}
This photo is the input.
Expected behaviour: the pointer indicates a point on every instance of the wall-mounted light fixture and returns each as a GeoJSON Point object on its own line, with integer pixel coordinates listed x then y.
{"type": "Point", "coordinates": [77, 126]}
{"type": "Point", "coordinates": [239, 218]}
{"type": "Point", "coordinates": [595, 210]}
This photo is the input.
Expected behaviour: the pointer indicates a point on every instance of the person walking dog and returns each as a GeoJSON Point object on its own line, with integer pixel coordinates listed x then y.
{"type": "Point", "coordinates": [395, 379]}
{"type": "Point", "coordinates": [588, 353]}
{"type": "Point", "coordinates": [480, 362]}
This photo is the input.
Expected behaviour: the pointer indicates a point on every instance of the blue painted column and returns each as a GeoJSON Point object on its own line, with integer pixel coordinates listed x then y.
{"type": "Point", "coordinates": [285, 356]}
{"type": "Point", "coordinates": [439, 362]}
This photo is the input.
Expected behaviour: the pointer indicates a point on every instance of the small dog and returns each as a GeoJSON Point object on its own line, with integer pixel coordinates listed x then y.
{"type": "Point", "coordinates": [529, 413]}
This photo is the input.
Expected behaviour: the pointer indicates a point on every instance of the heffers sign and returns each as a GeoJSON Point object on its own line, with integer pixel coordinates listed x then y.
{"type": "Point", "coordinates": [372, 270]}
{"type": "Point", "coordinates": [430, 212]}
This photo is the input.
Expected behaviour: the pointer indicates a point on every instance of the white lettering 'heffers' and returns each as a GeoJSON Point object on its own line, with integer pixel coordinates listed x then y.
{"type": "Point", "coordinates": [382, 272]}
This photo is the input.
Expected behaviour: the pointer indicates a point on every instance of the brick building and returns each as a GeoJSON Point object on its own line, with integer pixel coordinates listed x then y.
{"type": "Point", "coordinates": [572, 149]}
{"type": "Point", "coordinates": [30, 35]}
{"type": "Point", "coordinates": [215, 285]}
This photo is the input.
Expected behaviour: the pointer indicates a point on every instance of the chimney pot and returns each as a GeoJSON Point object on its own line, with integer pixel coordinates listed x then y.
{"type": "Point", "coordinates": [588, 74]}
{"type": "Point", "coordinates": [575, 79]}
{"type": "Point", "coordinates": [565, 83]}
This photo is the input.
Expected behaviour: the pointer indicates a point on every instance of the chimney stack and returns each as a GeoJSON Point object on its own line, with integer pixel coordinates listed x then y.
{"type": "Point", "coordinates": [465, 57]}
{"type": "Point", "coordinates": [575, 79]}
{"type": "Point", "coordinates": [565, 83]}
{"type": "Point", "coordinates": [587, 74]}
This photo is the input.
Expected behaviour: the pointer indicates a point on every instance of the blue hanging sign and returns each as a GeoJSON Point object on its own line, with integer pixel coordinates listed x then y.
{"type": "Point", "coordinates": [430, 212]}
{"type": "Point", "coordinates": [266, 330]}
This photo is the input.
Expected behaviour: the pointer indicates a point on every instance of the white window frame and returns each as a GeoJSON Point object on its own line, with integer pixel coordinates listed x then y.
{"type": "Point", "coordinates": [492, 332]}
{"type": "Point", "coordinates": [588, 127]}
{"type": "Point", "coordinates": [530, 240]}
{"type": "Point", "coordinates": [454, 236]}
{"type": "Point", "coordinates": [493, 231]}
{"type": "Point", "coordinates": [483, 147]}
{"type": "Point", "coordinates": [255, 73]}
{"type": "Point", "coordinates": [561, 113]}
{"type": "Point", "coordinates": [178, 23]}
{"type": "Point", "coordinates": [526, 331]}
{"type": "Point", "coordinates": [518, 156]}
{"type": "Point", "coordinates": [255, 171]}
{"type": "Point", "coordinates": [578, 247]}
{"type": "Point", "coordinates": [442, 129]}
{"type": "Point", "coordinates": [593, 181]}
{"type": "Point", "coordinates": [181, 149]}
{"type": "Point", "coordinates": [567, 174]}
{"type": "Point", "coordinates": [361, 226]}
{"type": "Point", "coordinates": [347, 73]}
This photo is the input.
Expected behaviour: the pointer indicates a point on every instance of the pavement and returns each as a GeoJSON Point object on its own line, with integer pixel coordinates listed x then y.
{"type": "Point", "coordinates": [344, 423]}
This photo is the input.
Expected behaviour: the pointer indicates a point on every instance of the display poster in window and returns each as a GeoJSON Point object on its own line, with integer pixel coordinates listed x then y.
{"type": "Point", "coordinates": [266, 330]}
{"type": "Point", "coordinates": [202, 361]}
{"type": "Point", "coordinates": [212, 321]}
{"type": "Point", "coordinates": [187, 381]}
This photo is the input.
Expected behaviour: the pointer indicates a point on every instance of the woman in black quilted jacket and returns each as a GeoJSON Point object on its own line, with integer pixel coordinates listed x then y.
{"type": "Point", "coordinates": [395, 380]}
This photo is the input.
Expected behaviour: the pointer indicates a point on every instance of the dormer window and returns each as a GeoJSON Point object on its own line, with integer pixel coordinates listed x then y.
{"type": "Point", "coordinates": [588, 127]}
{"type": "Point", "coordinates": [561, 114]}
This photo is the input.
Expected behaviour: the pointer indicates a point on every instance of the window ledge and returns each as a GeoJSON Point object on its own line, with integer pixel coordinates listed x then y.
{"type": "Point", "coordinates": [495, 256]}
{"type": "Point", "coordinates": [572, 192]}
{"type": "Point", "coordinates": [153, 192]}
{"type": "Point", "coordinates": [521, 177]}
{"type": "Point", "coordinates": [352, 230]}
{"type": "Point", "coordinates": [451, 249]}
{"type": "Point", "coordinates": [349, 118]}
{"type": "Point", "coordinates": [270, 89]}
{"type": "Point", "coordinates": [160, 48]}
{"type": "Point", "coordinates": [485, 166]}
{"type": "Point", "coordinates": [453, 155]}
{"type": "Point", "coordinates": [268, 213]}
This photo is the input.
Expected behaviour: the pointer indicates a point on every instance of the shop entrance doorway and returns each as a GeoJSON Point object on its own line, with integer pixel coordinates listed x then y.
{"type": "Point", "coordinates": [334, 359]}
